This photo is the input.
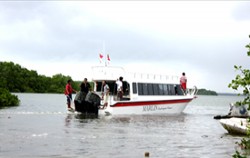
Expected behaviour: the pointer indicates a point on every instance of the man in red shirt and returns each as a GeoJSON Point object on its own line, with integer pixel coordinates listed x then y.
{"type": "Point", "coordinates": [183, 82]}
{"type": "Point", "coordinates": [68, 92]}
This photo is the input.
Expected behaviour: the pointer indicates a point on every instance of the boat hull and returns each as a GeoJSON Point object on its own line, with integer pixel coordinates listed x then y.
{"type": "Point", "coordinates": [235, 125]}
{"type": "Point", "coordinates": [147, 107]}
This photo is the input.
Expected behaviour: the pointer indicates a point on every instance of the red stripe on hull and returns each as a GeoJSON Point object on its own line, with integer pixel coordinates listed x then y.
{"type": "Point", "coordinates": [149, 103]}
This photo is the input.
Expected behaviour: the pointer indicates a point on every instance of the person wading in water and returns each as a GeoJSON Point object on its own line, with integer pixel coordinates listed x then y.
{"type": "Point", "coordinates": [68, 92]}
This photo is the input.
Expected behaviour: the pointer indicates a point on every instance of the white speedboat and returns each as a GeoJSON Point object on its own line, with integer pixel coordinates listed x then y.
{"type": "Point", "coordinates": [142, 93]}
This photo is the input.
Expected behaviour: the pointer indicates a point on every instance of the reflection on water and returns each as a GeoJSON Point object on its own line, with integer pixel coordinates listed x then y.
{"type": "Point", "coordinates": [41, 127]}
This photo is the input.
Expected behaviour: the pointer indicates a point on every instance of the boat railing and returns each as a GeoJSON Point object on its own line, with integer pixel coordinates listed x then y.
{"type": "Point", "coordinates": [153, 77]}
{"type": "Point", "coordinates": [192, 91]}
{"type": "Point", "coordinates": [110, 72]}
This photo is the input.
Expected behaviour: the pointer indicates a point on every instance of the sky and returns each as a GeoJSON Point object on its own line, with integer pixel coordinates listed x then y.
{"type": "Point", "coordinates": [204, 39]}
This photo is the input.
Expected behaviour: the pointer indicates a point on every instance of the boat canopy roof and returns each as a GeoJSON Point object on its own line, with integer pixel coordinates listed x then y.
{"type": "Point", "coordinates": [107, 73]}
{"type": "Point", "coordinates": [110, 73]}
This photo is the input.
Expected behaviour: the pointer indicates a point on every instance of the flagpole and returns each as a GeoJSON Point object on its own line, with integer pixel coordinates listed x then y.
{"type": "Point", "coordinates": [104, 52]}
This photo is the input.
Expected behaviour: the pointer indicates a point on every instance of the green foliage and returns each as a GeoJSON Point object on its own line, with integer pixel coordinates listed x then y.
{"type": "Point", "coordinates": [238, 155]}
{"type": "Point", "coordinates": [242, 81]}
{"type": "Point", "coordinates": [7, 99]}
{"type": "Point", "coordinates": [14, 78]}
{"type": "Point", "coordinates": [206, 92]}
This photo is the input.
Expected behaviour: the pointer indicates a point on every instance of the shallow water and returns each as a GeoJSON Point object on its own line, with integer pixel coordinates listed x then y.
{"type": "Point", "coordinates": [41, 127]}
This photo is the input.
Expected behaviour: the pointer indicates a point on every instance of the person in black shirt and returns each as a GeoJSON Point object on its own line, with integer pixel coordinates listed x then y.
{"type": "Point", "coordinates": [85, 86]}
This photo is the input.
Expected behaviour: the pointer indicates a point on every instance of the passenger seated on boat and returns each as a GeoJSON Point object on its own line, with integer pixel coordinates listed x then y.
{"type": "Point", "coordinates": [119, 88]}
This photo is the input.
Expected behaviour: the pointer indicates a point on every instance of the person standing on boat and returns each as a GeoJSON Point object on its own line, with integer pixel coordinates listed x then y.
{"type": "Point", "coordinates": [105, 93]}
{"type": "Point", "coordinates": [183, 82]}
{"type": "Point", "coordinates": [68, 92]}
{"type": "Point", "coordinates": [85, 86]}
{"type": "Point", "coordinates": [119, 88]}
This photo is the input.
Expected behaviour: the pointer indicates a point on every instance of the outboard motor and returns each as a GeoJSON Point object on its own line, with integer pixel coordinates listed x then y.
{"type": "Point", "coordinates": [80, 97]}
{"type": "Point", "coordinates": [93, 99]}
{"type": "Point", "coordinates": [87, 103]}
{"type": "Point", "coordinates": [238, 111]}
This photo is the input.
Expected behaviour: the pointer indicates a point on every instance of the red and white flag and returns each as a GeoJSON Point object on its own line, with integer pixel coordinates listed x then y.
{"type": "Point", "coordinates": [108, 58]}
{"type": "Point", "coordinates": [100, 57]}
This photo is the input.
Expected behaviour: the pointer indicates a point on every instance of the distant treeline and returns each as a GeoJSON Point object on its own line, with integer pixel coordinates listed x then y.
{"type": "Point", "coordinates": [15, 78]}
{"type": "Point", "coordinates": [206, 92]}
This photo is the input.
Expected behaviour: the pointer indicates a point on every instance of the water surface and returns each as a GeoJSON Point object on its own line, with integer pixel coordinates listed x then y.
{"type": "Point", "coordinates": [41, 127]}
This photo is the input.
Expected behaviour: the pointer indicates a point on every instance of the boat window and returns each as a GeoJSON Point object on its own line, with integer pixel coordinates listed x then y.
{"type": "Point", "coordinates": [171, 89]}
{"type": "Point", "coordinates": [134, 87]}
{"type": "Point", "coordinates": [161, 91]}
{"type": "Point", "coordinates": [150, 89]}
{"type": "Point", "coordinates": [140, 89]}
{"type": "Point", "coordinates": [165, 89]}
{"type": "Point", "coordinates": [144, 89]}
{"type": "Point", "coordinates": [156, 89]}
